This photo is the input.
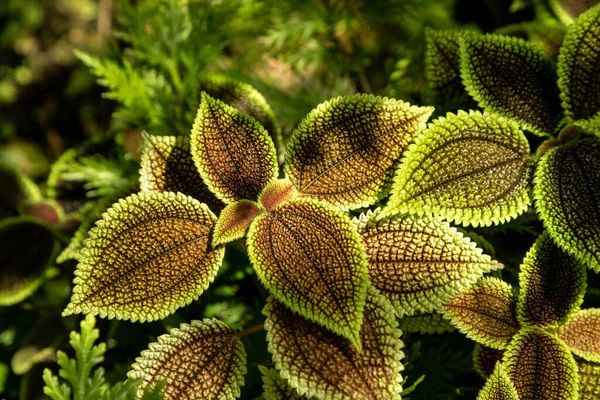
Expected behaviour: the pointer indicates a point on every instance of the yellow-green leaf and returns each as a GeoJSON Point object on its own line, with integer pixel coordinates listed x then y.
{"type": "Point", "coordinates": [485, 359]}
{"type": "Point", "coordinates": [545, 32]}
{"type": "Point", "coordinates": [468, 168]}
{"type": "Point", "coordinates": [568, 10]}
{"type": "Point", "coordinates": [316, 362]}
{"type": "Point", "coordinates": [16, 189]}
{"type": "Point", "coordinates": [275, 388]}
{"type": "Point", "coordinates": [233, 152]}
{"type": "Point", "coordinates": [498, 386]}
{"type": "Point", "coordinates": [344, 150]}
{"type": "Point", "coordinates": [582, 334]}
{"type": "Point", "coordinates": [589, 381]}
{"type": "Point", "coordinates": [234, 220]}
{"type": "Point", "coordinates": [425, 324]}
{"type": "Point", "coordinates": [204, 360]}
{"type": "Point", "coordinates": [308, 255]}
{"type": "Point", "coordinates": [148, 256]}
{"type": "Point", "coordinates": [419, 264]}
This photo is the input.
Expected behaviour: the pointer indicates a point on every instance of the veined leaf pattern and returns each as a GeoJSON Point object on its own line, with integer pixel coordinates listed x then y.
{"type": "Point", "coordinates": [425, 324]}
{"type": "Point", "coordinates": [316, 362]}
{"type": "Point", "coordinates": [275, 388]}
{"type": "Point", "coordinates": [582, 334]}
{"type": "Point", "coordinates": [234, 220]}
{"type": "Point", "coordinates": [589, 380]}
{"type": "Point", "coordinates": [148, 256]}
{"type": "Point", "coordinates": [468, 168]}
{"type": "Point", "coordinates": [308, 255]}
{"type": "Point", "coordinates": [203, 360]}
{"type": "Point", "coordinates": [498, 387]}
{"type": "Point", "coordinates": [485, 359]}
{"type": "Point", "coordinates": [277, 192]}
{"type": "Point", "coordinates": [345, 149]}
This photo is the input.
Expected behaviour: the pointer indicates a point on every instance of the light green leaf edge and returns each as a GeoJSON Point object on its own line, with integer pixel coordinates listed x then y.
{"type": "Point", "coordinates": [498, 386]}
{"type": "Point", "coordinates": [589, 380]}
{"type": "Point", "coordinates": [425, 324]}
{"type": "Point", "coordinates": [275, 388]}
{"type": "Point", "coordinates": [222, 235]}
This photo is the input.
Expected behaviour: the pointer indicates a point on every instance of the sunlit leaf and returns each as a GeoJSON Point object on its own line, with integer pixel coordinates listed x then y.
{"type": "Point", "coordinates": [167, 166]}
{"type": "Point", "coordinates": [202, 360]}
{"type": "Point", "coordinates": [275, 388]}
{"type": "Point", "coordinates": [546, 33]}
{"type": "Point", "coordinates": [568, 10]}
{"type": "Point", "coordinates": [316, 362]}
{"type": "Point", "coordinates": [589, 381]}
{"type": "Point", "coordinates": [567, 194]}
{"type": "Point", "coordinates": [27, 249]}
{"type": "Point", "coordinates": [541, 366]}
{"type": "Point", "coordinates": [234, 220]}
{"type": "Point", "coordinates": [149, 255]}
{"type": "Point", "coordinates": [512, 77]}
{"type": "Point", "coordinates": [485, 359]}
{"type": "Point", "coordinates": [582, 334]}
{"type": "Point", "coordinates": [233, 152]}
{"type": "Point", "coordinates": [308, 255]}
{"type": "Point", "coordinates": [425, 324]}
{"type": "Point", "coordinates": [345, 149]}
{"type": "Point", "coordinates": [277, 192]}
{"type": "Point", "coordinates": [498, 386]}
{"type": "Point", "coordinates": [485, 313]}
{"type": "Point", "coordinates": [469, 168]}
{"type": "Point", "coordinates": [578, 70]}
{"type": "Point", "coordinates": [419, 264]}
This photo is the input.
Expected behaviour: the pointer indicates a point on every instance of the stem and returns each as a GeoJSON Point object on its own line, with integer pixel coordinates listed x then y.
{"type": "Point", "coordinates": [248, 331]}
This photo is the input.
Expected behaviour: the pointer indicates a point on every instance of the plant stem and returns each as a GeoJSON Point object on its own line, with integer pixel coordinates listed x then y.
{"type": "Point", "coordinates": [248, 331]}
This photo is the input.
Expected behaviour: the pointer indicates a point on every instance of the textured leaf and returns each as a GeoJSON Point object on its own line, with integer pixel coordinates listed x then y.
{"type": "Point", "coordinates": [419, 264]}
{"type": "Point", "coordinates": [568, 10]}
{"type": "Point", "coordinates": [468, 168]}
{"type": "Point", "coordinates": [149, 255]}
{"type": "Point", "coordinates": [308, 255]}
{"type": "Point", "coordinates": [276, 193]}
{"type": "Point", "coordinates": [234, 220]}
{"type": "Point", "coordinates": [498, 387]}
{"type": "Point", "coordinates": [425, 324]}
{"type": "Point", "coordinates": [203, 360]}
{"type": "Point", "coordinates": [27, 249]}
{"type": "Point", "coordinates": [567, 195]}
{"type": "Point", "coordinates": [485, 359]}
{"type": "Point", "coordinates": [541, 366]}
{"type": "Point", "coordinates": [485, 313]}
{"type": "Point", "coordinates": [345, 149]}
{"type": "Point", "coordinates": [316, 362]}
{"type": "Point", "coordinates": [546, 33]}
{"type": "Point", "coordinates": [552, 283]}
{"type": "Point", "coordinates": [582, 334]}
{"type": "Point", "coordinates": [233, 152]}
{"type": "Point", "coordinates": [512, 77]}
{"type": "Point", "coordinates": [167, 166]}
{"type": "Point", "coordinates": [589, 381]}
{"type": "Point", "coordinates": [578, 65]}
{"type": "Point", "coordinates": [275, 388]}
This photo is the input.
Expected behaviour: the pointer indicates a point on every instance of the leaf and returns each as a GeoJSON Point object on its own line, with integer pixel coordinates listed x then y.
{"type": "Point", "coordinates": [148, 256]}
{"type": "Point", "coordinates": [567, 195]}
{"type": "Point", "coordinates": [233, 152]}
{"type": "Point", "coordinates": [485, 359]}
{"type": "Point", "coordinates": [541, 366]}
{"type": "Point", "coordinates": [582, 334]}
{"type": "Point", "coordinates": [200, 360]}
{"type": "Point", "coordinates": [578, 62]}
{"type": "Point", "coordinates": [27, 250]}
{"type": "Point", "coordinates": [485, 313]}
{"type": "Point", "coordinates": [275, 388]}
{"type": "Point", "coordinates": [234, 220]}
{"type": "Point", "coordinates": [468, 168]}
{"type": "Point", "coordinates": [510, 76]}
{"type": "Point", "coordinates": [308, 255]}
{"type": "Point", "coordinates": [568, 10]}
{"type": "Point", "coordinates": [344, 150]}
{"type": "Point", "coordinates": [545, 33]}
{"type": "Point", "coordinates": [552, 283]}
{"type": "Point", "coordinates": [277, 192]}
{"type": "Point", "coordinates": [316, 362]}
{"type": "Point", "coordinates": [589, 381]}
{"type": "Point", "coordinates": [167, 166]}
{"type": "Point", "coordinates": [425, 324]}
{"type": "Point", "coordinates": [17, 188]}
{"type": "Point", "coordinates": [419, 264]}
{"type": "Point", "coordinates": [498, 387]}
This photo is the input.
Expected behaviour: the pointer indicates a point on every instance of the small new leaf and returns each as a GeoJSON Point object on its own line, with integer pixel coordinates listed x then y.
{"type": "Point", "coordinates": [308, 255]}
{"type": "Point", "coordinates": [316, 362]}
{"type": "Point", "coordinates": [203, 360]}
{"type": "Point", "coordinates": [468, 168]}
{"type": "Point", "coordinates": [498, 386]}
{"type": "Point", "coordinates": [582, 334]}
{"type": "Point", "coordinates": [234, 220]}
{"type": "Point", "coordinates": [552, 284]}
{"type": "Point", "coordinates": [510, 76]}
{"type": "Point", "coordinates": [275, 388]}
{"type": "Point", "coordinates": [277, 192]}
{"type": "Point", "coordinates": [149, 255]}
{"type": "Point", "coordinates": [233, 152]}
{"type": "Point", "coordinates": [485, 359]}
{"type": "Point", "coordinates": [344, 150]}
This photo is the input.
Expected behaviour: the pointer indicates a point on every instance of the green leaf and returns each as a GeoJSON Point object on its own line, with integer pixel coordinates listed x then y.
{"type": "Point", "coordinates": [277, 192]}
{"type": "Point", "coordinates": [582, 334]}
{"type": "Point", "coordinates": [541, 366]}
{"type": "Point", "coordinates": [233, 152]}
{"type": "Point", "coordinates": [510, 76]}
{"type": "Point", "coordinates": [589, 381]}
{"type": "Point", "coordinates": [544, 32]}
{"type": "Point", "coordinates": [578, 70]}
{"type": "Point", "coordinates": [552, 283]}
{"type": "Point", "coordinates": [148, 256]}
{"type": "Point", "coordinates": [419, 264]}
{"type": "Point", "coordinates": [27, 250]}
{"type": "Point", "coordinates": [425, 324]}
{"type": "Point", "coordinates": [234, 220]}
{"type": "Point", "coordinates": [498, 387]}
{"type": "Point", "coordinates": [485, 359]}
{"type": "Point", "coordinates": [308, 255]}
{"type": "Point", "coordinates": [17, 188]}
{"type": "Point", "coordinates": [201, 360]}
{"type": "Point", "coordinates": [568, 10]}
{"type": "Point", "coordinates": [485, 313]}
{"type": "Point", "coordinates": [567, 195]}
{"type": "Point", "coordinates": [167, 166]}
{"type": "Point", "coordinates": [344, 150]}
{"type": "Point", "coordinates": [468, 168]}
{"type": "Point", "coordinates": [316, 362]}
{"type": "Point", "coordinates": [275, 388]}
